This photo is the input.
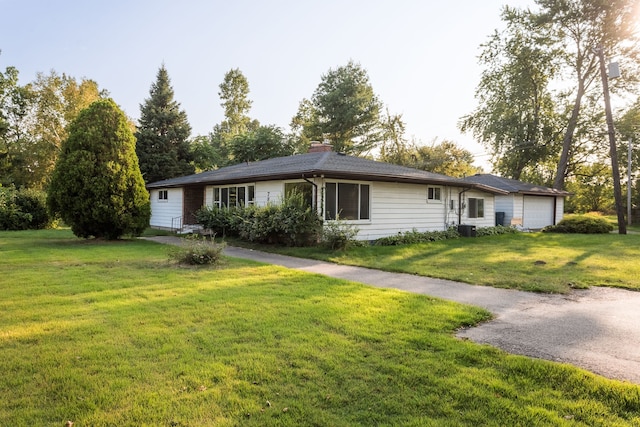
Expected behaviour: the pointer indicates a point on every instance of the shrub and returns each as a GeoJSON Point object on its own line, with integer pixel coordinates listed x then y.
{"type": "Point", "coordinates": [415, 236]}
{"type": "Point", "coordinates": [584, 224]}
{"type": "Point", "coordinates": [23, 209]}
{"type": "Point", "coordinates": [258, 224]}
{"type": "Point", "coordinates": [291, 223]}
{"type": "Point", "coordinates": [221, 221]}
{"type": "Point", "coordinates": [197, 251]}
{"type": "Point", "coordinates": [296, 222]}
{"type": "Point", "coordinates": [339, 235]}
{"type": "Point", "coordinates": [494, 231]}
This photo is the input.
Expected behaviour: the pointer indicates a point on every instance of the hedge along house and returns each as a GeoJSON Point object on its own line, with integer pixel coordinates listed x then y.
{"type": "Point", "coordinates": [381, 199]}
{"type": "Point", "coordinates": [528, 205]}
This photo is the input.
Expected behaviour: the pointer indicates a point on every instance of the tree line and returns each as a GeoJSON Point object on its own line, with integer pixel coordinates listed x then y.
{"type": "Point", "coordinates": [343, 111]}
{"type": "Point", "coordinates": [540, 109]}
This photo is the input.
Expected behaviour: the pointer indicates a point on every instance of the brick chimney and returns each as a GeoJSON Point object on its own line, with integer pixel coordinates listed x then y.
{"type": "Point", "coordinates": [319, 147]}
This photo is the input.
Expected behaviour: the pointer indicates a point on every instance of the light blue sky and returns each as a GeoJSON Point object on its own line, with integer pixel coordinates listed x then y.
{"type": "Point", "coordinates": [421, 55]}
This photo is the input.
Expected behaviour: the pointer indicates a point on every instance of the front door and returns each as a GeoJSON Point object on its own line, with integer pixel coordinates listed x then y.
{"type": "Point", "coordinates": [193, 201]}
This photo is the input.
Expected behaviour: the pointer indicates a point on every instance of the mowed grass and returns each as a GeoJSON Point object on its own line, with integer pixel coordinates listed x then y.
{"type": "Point", "coordinates": [540, 262]}
{"type": "Point", "coordinates": [111, 333]}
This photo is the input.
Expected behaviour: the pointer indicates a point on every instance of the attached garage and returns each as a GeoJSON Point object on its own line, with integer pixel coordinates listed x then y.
{"type": "Point", "coordinates": [537, 211]}
{"type": "Point", "coordinates": [529, 205]}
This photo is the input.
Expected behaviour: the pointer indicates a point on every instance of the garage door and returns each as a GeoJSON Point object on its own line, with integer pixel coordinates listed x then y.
{"type": "Point", "coordinates": [538, 212]}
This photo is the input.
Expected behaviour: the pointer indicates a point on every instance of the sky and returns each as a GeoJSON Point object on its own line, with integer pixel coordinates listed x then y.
{"type": "Point", "coordinates": [421, 55]}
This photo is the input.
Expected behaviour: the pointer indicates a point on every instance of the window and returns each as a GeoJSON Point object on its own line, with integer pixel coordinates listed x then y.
{"type": "Point", "coordinates": [476, 208]}
{"type": "Point", "coordinates": [304, 188]}
{"type": "Point", "coordinates": [433, 193]}
{"type": "Point", "coordinates": [346, 201]}
{"type": "Point", "coordinates": [163, 195]}
{"type": "Point", "coordinates": [234, 196]}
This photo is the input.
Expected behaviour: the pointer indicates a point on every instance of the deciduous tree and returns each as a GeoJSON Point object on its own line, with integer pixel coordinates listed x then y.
{"type": "Point", "coordinates": [540, 88]}
{"type": "Point", "coordinates": [234, 94]}
{"type": "Point", "coordinates": [516, 114]}
{"type": "Point", "coordinates": [263, 143]}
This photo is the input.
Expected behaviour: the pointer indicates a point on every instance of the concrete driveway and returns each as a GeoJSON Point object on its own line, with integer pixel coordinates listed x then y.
{"type": "Point", "coordinates": [596, 329]}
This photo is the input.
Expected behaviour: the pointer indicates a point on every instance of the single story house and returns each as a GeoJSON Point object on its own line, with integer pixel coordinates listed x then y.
{"type": "Point", "coordinates": [528, 205]}
{"type": "Point", "coordinates": [381, 199]}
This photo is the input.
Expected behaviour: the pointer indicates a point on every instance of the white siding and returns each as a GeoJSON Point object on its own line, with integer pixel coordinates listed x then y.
{"type": "Point", "coordinates": [269, 192]}
{"type": "Point", "coordinates": [505, 204]}
{"type": "Point", "coordinates": [164, 211]}
{"type": "Point", "coordinates": [489, 219]}
{"type": "Point", "coordinates": [559, 209]}
{"type": "Point", "coordinates": [401, 207]}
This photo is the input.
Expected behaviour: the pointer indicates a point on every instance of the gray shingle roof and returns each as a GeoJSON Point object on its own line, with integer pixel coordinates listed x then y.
{"type": "Point", "coordinates": [327, 164]}
{"type": "Point", "coordinates": [515, 186]}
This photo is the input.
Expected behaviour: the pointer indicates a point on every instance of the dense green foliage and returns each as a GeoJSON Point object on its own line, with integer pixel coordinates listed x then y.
{"type": "Point", "coordinates": [162, 136]}
{"type": "Point", "coordinates": [496, 230]}
{"type": "Point", "coordinates": [291, 222]}
{"type": "Point", "coordinates": [446, 157]}
{"type": "Point", "coordinates": [343, 110]}
{"type": "Point", "coordinates": [339, 235]}
{"type": "Point", "coordinates": [415, 236]}
{"type": "Point", "coordinates": [23, 209]}
{"type": "Point", "coordinates": [33, 123]}
{"type": "Point", "coordinates": [265, 142]}
{"type": "Point", "coordinates": [117, 336]}
{"type": "Point", "coordinates": [584, 224]}
{"type": "Point", "coordinates": [540, 94]}
{"type": "Point", "coordinates": [97, 188]}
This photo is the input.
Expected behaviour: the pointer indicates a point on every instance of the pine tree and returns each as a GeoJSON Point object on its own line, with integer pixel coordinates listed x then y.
{"type": "Point", "coordinates": [97, 187]}
{"type": "Point", "coordinates": [162, 137]}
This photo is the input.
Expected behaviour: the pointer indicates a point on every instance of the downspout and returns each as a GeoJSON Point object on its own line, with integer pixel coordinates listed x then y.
{"type": "Point", "coordinates": [315, 193]}
{"type": "Point", "coordinates": [460, 205]}
{"type": "Point", "coordinates": [555, 206]}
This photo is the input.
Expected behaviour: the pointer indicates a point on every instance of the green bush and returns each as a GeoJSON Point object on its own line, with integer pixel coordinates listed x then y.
{"type": "Point", "coordinates": [339, 235]}
{"type": "Point", "coordinates": [415, 236]}
{"type": "Point", "coordinates": [258, 224]}
{"type": "Point", "coordinates": [291, 223]}
{"type": "Point", "coordinates": [23, 209]}
{"type": "Point", "coordinates": [296, 222]}
{"type": "Point", "coordinates": [197, 251]}
{"type": "Point", "coordinates": [494, 231]}
{"type": "Point", "coordinates": [583, 224]}
{"type": "Point", "coordinates": [221, 221]}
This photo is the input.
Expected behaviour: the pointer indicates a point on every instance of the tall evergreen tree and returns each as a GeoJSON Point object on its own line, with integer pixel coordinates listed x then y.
{"type": "Point", "coordinates": [97, 187]}
{"type": "Point", "coordinates": [162, 137]}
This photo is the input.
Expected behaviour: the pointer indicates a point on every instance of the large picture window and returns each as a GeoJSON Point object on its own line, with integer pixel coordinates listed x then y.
{"type": "Point", "coordinates": [476, 208]}
{"type": "Point", "coordinates": [243, 195]}
{"type": "Point", "coordinates": [347, 201]}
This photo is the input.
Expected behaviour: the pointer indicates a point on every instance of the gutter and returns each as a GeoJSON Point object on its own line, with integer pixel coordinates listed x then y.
{"type": "Point", "coordinates": [460, 204]}
{"type": "Point", "coordinates": [315, 193]}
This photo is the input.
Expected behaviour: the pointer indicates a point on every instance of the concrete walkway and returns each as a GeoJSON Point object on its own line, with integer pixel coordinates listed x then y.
{"type": "Point", "coordinates": [596, 329]}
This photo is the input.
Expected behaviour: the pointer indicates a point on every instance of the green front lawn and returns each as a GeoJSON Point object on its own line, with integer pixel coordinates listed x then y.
{"type": "Point", "coordinates": [541, 262]}
{"type": "Point", "coordinates": [111, 333]}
